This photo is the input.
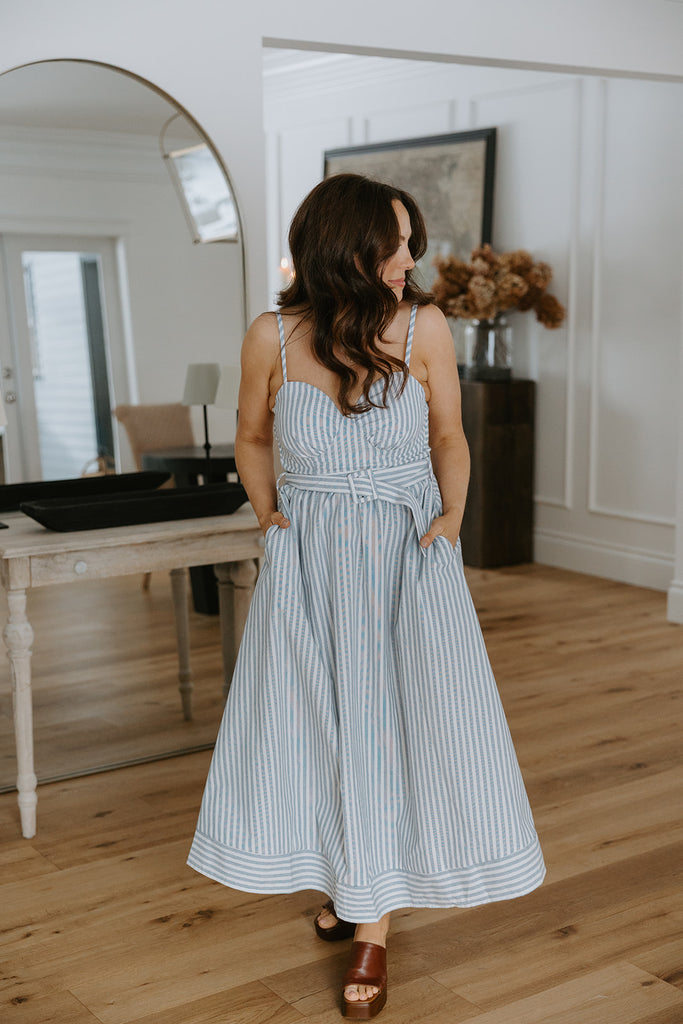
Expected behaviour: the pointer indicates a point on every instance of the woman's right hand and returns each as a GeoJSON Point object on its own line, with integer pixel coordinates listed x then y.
{"type": "Point", "coordinates": [273, 519]}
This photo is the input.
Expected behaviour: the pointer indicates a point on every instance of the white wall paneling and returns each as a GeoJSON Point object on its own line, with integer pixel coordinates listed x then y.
{"type": "Point", "coordinates": [566, 189]}
{"type": "Point", "coordinates": [636, 331]}
{"type": "Point", "coordinates": [536, 207]}
{"type": "Point", "coordinates": [408, 121]}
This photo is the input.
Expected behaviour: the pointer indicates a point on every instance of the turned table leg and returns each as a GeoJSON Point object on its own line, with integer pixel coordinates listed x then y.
{"type": "Point", "coordinates": [235, 589]}
{"type": "Point", "coordinates": [182, 630]}
{"type": "Point", "coordinates": [19, 640]}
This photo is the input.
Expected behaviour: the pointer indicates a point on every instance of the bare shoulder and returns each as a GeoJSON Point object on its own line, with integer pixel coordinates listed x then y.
{"type": "Point", "coordinates": [430, 323]}
{"type": "Point", "coordinates": [261, 342]}
{"type": "Point", "coordinates": [433, 340]}
{"type": "Point", "coordinates": [264, 329]}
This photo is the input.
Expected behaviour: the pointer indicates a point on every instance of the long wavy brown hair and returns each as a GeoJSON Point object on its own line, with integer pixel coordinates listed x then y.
{"type": "Point", "coordinates": [339, 239]}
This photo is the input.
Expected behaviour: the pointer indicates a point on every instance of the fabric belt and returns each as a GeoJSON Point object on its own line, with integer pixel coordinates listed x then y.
{"type": "Point", "coordinates": [388, 483]}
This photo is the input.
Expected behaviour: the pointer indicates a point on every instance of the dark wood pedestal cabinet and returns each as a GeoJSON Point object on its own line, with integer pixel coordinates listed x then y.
{"type": "Point", "coordinates": [498, 418]}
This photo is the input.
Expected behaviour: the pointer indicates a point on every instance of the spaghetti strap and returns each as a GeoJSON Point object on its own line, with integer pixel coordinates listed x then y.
{"type": "Point", "coordinates": [411, 331]}
{"type": "Point", "coordinates": [283, 357]}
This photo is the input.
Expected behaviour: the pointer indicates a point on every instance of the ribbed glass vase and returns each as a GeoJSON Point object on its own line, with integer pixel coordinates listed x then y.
{"type": "Point", "coordinates": [488, 349]}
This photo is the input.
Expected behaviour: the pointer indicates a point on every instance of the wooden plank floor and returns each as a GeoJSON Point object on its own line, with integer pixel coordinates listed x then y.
{"type": "Point", "coordinates": [100, 919]}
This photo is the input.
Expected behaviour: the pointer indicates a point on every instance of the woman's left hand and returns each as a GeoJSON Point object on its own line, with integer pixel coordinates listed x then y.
{"type": "Point", "coordinates": [443, 526]}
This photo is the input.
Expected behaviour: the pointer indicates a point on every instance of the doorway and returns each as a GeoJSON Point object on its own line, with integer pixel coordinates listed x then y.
{"type": "Point", "coordinates": [62, 356]}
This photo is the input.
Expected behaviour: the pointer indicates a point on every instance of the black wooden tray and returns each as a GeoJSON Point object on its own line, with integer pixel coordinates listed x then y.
{"type": "Point", "coordinates": [12, 495]}
{"type": "Point", "coordinates": [96, 513]}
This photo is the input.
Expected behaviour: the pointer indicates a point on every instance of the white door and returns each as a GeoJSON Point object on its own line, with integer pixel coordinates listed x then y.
{"type": "Point", "coordinates": [62, 357]}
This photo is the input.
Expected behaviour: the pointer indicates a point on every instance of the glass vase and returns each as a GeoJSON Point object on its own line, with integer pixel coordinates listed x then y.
{"type": "Point", "coordinates": [488, 349]}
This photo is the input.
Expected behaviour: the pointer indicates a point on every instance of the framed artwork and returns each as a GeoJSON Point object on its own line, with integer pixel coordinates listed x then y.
{"type": "Point", "coordinates": [450, 176]}
{"type": "Point", "coordinates": [204, 193]}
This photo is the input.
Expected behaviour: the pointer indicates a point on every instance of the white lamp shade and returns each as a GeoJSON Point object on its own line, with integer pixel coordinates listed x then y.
{"type": "Point", "coordinates": [228, 388]}
{"type": "Point", "coordinates": [201, 383]}
{"type": "Point", "coordinates": [3, 414]}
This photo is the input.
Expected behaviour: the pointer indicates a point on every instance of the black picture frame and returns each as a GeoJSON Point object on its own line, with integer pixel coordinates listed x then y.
{"type": "Point", "coordinates": [450, 176]}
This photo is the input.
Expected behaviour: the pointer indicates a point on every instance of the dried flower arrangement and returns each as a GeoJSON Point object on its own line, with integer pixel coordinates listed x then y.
{"type": "Point", "coordinates": [494, 283]}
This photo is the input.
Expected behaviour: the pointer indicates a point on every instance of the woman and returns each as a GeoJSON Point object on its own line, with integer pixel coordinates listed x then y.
{"type": "Point", "coordinates": [363, 751]}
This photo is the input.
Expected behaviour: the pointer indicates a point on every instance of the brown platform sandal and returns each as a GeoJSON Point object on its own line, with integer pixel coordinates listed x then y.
{"type": "Point", "coordinates": [368, 966]}
{"type": "Point", "coordinates": [340, 930]}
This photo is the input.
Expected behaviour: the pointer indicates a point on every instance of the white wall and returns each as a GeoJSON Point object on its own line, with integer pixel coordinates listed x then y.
{"type": "Point", "coordinates": [613, 35]}
{"type": "Point", "coordinates": [588, 179]}
{"type": "Point", "coordinates": [207, 56]}
{"type": "Point", "coordinates": [185, 300]}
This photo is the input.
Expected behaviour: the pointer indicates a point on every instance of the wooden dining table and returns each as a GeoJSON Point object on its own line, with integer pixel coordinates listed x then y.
{"type": "Point", "coordinates": [31, 556]}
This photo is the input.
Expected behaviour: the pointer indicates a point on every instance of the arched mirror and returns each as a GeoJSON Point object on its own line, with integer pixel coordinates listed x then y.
{"type": "Point", "coordinates": [122, 261]}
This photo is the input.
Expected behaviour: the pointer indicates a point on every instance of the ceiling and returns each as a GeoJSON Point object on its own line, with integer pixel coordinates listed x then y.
{"type": "Point", "coordinates": [76, 95]}
{"type": "Point", "coordinates": [302, 70]}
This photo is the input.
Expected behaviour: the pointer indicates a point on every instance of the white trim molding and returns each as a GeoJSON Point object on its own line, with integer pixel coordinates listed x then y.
{"type": "Point", "coordinates": [675, 593]}
{"type": "Point", "coordinates": [628, 564]}
{"type": "Point", "coordinates": [674, 604]}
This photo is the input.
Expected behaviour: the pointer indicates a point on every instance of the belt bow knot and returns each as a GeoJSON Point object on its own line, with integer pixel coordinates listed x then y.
{"type": "Point", "coordinates": [369, 483]}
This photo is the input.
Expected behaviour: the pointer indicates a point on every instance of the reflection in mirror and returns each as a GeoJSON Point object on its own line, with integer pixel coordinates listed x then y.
{"type": "Point", "coordinates": [112, 318]}
{"type": "Point", "coordinates": [203, 190]}
{"type": "Point", "coordinates": [104, 300]}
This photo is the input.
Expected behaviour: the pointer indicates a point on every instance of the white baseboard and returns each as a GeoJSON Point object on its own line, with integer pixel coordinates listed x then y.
{"type": "Point", "coordinates": [674, 605]}
{"type": "Point", "coordinates": [636, 566]}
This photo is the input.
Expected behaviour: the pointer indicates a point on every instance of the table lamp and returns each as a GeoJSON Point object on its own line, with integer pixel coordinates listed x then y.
{"type": "Point", "coordinates": [201, 384]}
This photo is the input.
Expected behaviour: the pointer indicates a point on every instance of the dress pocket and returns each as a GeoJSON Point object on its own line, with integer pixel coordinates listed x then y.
{"type": "Point", "coordinates": [269, 540]}
{"type": "Point", "coordinates": [443, 551]}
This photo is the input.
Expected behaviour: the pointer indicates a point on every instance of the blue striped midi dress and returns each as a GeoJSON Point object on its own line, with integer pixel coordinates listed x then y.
{"type": "Point", "coordinates": [363, 750]}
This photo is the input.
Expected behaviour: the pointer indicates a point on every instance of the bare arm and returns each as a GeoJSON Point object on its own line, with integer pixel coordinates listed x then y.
{"type": "Point", "coordinates": [450, 453]}
{"type": "Point", "coordinates": [254, 439]}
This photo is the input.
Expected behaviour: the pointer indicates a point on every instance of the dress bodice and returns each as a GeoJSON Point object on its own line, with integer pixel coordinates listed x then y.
{"type": "Point", "coordinates": [313, 436]}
